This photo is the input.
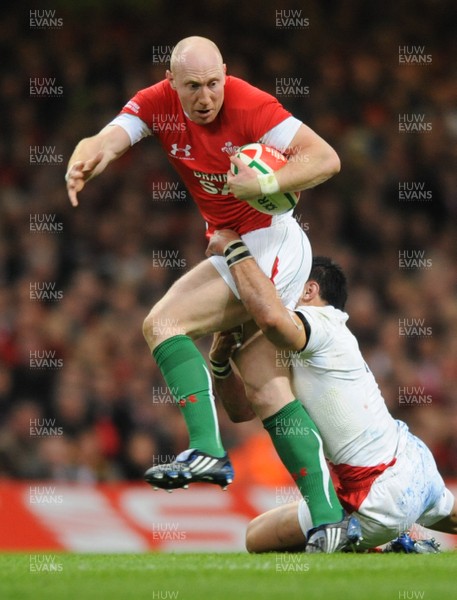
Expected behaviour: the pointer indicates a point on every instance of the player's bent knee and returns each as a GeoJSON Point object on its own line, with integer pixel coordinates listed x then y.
{"type": "Point", "coordinates": [254, 395]}
{"type": "Point", "coordinates": [148, 330]}
{"type": "Point", "coordinates": [159, 326]}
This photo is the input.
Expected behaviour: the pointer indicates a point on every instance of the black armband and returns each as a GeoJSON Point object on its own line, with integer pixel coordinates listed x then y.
{"type": "Point", "coordinates": [220, 370]}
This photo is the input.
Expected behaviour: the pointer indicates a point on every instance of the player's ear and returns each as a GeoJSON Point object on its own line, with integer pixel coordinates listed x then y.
{"type": "Point", "coordinates": [171, 79]}
{"type": "Point", "coordinates": [311, 290]}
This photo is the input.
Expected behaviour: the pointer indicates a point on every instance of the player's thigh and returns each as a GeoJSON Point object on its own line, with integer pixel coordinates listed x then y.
{"type": "Point", "coordinates": [265, 374]}
{"type": "Point", "coordinates": [275, 530]}
{"type": "Point", "coordinates": [198, 303]}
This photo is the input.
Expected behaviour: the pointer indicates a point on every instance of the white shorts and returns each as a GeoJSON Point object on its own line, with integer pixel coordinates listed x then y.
{"type": "Point", "coordinates": [411, 491]}
{"type": "Point", "coordinates": [283, 252]}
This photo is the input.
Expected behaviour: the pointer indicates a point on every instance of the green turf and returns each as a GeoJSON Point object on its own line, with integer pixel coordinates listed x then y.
{"type": "Point", "coordinates": [228, 576]}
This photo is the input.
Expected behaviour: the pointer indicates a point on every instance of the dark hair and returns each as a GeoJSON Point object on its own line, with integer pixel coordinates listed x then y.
{"type": "Point", "coordinates": [331, 280]}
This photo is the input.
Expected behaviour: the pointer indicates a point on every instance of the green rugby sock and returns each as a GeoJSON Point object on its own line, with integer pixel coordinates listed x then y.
{"type": "Point", "coordinates": [187, 376]}
{"type": "Point", "coordinates": [299, 446]}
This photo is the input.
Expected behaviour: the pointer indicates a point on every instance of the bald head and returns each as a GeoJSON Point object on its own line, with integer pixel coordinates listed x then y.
{"type": "Point", "coordinates": [197, 73]}
{"type": "Point", "coordinates": [194, 49]}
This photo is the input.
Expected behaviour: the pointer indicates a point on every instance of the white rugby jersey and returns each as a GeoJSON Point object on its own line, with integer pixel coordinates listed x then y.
{"type": "Point", "coordinates": [341, 395]}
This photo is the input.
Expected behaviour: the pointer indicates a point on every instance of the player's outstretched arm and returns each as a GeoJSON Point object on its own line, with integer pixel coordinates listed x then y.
{"type": "Point", "coordinates": [91, 157]}
{"type": "Point", "coordinates": [282, 327]}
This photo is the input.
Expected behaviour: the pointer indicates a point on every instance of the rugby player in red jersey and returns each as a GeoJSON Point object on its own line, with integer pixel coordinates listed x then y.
{"type": "Point", "coordinates": [212, 114]}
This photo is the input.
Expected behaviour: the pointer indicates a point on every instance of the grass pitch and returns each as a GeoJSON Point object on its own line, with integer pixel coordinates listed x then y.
{"type": "Point", "coordinates": [227, 576]}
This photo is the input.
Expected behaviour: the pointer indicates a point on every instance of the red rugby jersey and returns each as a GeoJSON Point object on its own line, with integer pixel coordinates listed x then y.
{"type": "Point", "coordinates": [200, 153]}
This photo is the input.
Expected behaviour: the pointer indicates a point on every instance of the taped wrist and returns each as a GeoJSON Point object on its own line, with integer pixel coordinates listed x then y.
{"type": "Point", "coordinates": [268, 184]}
{"type": "Point", "coordinates": [220, 370]}
{"type": "Point", "coordinates": [235, 252]}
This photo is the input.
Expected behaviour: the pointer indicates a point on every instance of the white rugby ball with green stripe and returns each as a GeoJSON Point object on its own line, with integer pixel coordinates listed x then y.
{"type": "Point", "coordinates": [265, 159]}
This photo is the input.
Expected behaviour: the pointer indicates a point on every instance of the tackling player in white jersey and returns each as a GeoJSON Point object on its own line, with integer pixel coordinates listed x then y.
{"type": "Point", "coordinates": [387, 476]}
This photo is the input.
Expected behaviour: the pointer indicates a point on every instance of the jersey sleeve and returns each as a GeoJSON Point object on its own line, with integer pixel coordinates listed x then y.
{"type": "Point", "coordinates": [319, 329]}
{"type": "Point", "coordinates": [281, 136]}
{"type": "Point", "coordinates": [135, 128]}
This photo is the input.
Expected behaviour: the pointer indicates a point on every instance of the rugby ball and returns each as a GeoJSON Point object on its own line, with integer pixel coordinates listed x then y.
{"type": "Point", "coordinates": [265, 159]}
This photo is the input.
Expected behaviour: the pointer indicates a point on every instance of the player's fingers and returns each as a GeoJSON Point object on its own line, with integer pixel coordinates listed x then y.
{"type": "Point", "coordinates": [237, 338]}
{"type": "Point", "coordinates": [236, 329]}
{"type": "Point", "coordinates": [74, 186]}
{"type": "Point", "coordinates": [210, 247]}
{"type": "Point", "coordinates": [241, 166]}
{"type": "Point", "coordinates": [92, 162]}
{"type": "Point", "coordinates": [235, 160]}
{"type": "Point", "coordinates": [72, 194]}
{"type": "Point", "coordinates": [237, 165]}
{"type": "Point", "coordinates": [233, 337]}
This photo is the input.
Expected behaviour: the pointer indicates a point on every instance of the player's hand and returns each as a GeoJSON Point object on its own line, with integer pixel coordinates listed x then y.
{"type": "Point", "coordinates": [77, 175]}
{"type": "Point", "coordinates": [219, 240]}
{"type": "Point", "coordinates": [225, 343]}
{"type": "Point", "coordinates": [244, 185]}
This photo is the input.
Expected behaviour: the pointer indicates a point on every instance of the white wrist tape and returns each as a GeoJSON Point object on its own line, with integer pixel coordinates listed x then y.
{"type": "Point", "coordinates": [268, 184]}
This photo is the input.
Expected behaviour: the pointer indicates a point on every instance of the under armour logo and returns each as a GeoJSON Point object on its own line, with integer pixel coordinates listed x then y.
{"type": "Point", "coordinates": [175, 149]}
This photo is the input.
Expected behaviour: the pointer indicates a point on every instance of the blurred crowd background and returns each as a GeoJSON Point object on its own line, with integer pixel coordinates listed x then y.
{"type": "Point", "coordinates": [106, 397]}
